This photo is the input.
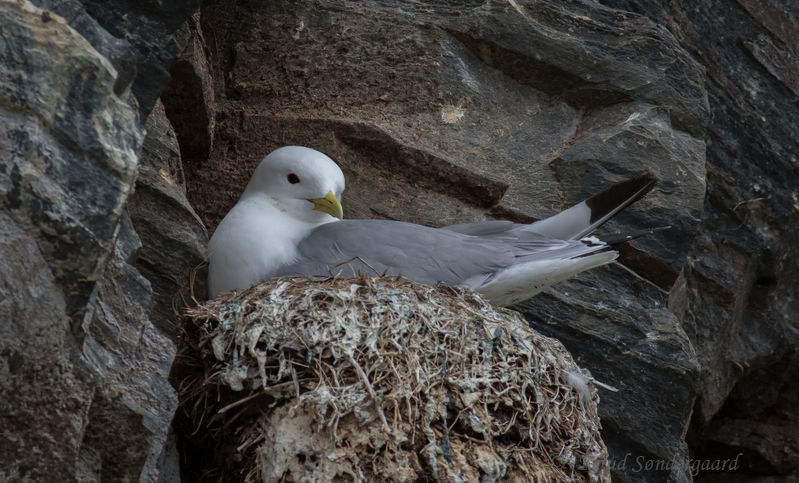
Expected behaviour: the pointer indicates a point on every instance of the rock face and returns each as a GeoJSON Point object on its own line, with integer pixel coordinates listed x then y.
{"type": "Point", "coordinates": [737, 297]}
{"type": "Point", "coordinates": [71, 192]}
{"type": "Point", "coordinates": [83, 371]}
{"type": "Point", "coordinates": [135, 36]}
{"type": "Point", "coordinates": [173, 237]}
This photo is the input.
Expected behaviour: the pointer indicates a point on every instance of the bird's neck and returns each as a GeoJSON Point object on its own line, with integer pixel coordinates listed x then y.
{"type": "Point", "coordinates": [279, 228]}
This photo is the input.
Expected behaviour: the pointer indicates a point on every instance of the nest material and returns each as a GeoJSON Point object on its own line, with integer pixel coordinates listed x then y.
{"type": "Point", "coordinates": [385, 380]}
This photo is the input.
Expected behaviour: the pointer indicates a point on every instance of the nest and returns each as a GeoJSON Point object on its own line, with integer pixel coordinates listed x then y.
{"type": "Point", "coordinates": [383, 379]}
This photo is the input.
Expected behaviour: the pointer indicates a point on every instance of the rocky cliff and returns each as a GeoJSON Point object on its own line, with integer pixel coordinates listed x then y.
{"type": "Point", "coordinates": [129, 128]}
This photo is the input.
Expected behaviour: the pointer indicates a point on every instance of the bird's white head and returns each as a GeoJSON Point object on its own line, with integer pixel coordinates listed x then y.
{"type": "Point", "coordinates": [301, 181]}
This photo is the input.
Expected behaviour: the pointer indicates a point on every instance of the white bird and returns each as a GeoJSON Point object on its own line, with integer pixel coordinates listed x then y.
{"type": "Point", "coordinates": [289, 222]}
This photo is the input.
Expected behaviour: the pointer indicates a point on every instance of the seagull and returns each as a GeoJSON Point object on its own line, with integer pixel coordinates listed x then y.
{"type": "Point", "coordinates": [289, 221]}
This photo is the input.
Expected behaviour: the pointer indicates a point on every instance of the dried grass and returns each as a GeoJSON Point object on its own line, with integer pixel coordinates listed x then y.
{"type": "Point", "coordinates": [383, 379]}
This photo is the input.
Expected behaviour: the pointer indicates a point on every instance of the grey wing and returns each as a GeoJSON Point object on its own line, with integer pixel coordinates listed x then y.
{"type": "Point", "coordinates": [486, 228]}
{"type": "Point", "coordinates": [421, 253]}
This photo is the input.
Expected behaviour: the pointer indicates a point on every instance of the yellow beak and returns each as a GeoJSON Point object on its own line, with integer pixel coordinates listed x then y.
{"type": "Point", "coordinates": [329, 204]}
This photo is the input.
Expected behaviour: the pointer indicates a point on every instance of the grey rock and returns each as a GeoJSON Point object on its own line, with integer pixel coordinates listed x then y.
{"type": "Point", "coordinates": [83, 372]}
{"type": "Point", "coordinates": [130, 414]}
{"type": "Point", "coordinates": [68, 146]}
{"type": "Point", "coordinates": [115, 50]}
{"type": "Point", "coordinates": [35, 366]}
{"type": "Point", "coordinates": [136, 36]}
{"type": "Point", "coordinates": [737, 296]}
{"type": "Point", "coordinates": [591, 55]}
{"type": "Point", "coordinates": [173, 237]}
{"type": "Point", "coordinates": [32, 303]}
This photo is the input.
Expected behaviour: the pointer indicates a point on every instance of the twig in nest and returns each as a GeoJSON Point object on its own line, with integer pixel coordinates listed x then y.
{"type": "Point", "coordinates": [365, 381]}
{"type": "Point", "coordinates": [348, 263]}
{"type": "Point", "coordinates": [238, 403]}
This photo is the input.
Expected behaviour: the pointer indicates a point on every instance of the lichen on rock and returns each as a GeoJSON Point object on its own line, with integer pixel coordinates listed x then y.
{"type": "Point", "coordinates": [384, 379]}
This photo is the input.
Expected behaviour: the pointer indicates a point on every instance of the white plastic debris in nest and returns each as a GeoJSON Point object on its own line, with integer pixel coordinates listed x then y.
{"type": "Point", "coordinates": [387, 379]}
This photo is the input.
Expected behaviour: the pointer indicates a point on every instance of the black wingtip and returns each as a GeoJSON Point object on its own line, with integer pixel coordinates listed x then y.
{"type": "Point", "coordinates": [620, 195]}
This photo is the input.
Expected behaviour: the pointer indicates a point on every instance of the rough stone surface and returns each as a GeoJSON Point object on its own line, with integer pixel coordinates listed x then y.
{"type": "Point", "coordinates": [135, 36]}
{"type": "Point", "coordinates": [84, 392]}
{"type": "Point", "coordinates": [68, 146]}
{"type": "Point", "coordinates": [35, 370]}
{"type": "Point", "coordinates": [130, 414]}
{"type": "Point", "coordinates": [447, 113]}
{"type": "Point", "coordinates": [738, 297]}
{"type": "Point", "coordinates": [173, 237]}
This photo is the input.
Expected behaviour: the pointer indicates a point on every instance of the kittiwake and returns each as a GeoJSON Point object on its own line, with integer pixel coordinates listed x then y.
{"type": "Point", "coordinates": [289, 221]}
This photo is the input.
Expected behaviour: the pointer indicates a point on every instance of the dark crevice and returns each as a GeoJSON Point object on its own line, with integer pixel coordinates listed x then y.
{"type": "Point", "coordinates": [183, 101]}
{"type": "Point", "coordinates": [647, 266]}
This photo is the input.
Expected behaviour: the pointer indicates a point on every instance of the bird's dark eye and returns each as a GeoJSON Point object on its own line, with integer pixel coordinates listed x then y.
{"type": "Point", "coordinates": [293, 178]}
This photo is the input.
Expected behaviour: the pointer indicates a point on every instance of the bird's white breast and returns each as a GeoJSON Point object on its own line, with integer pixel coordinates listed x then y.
{"type": "Point", "coordinates": [251, 242]}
